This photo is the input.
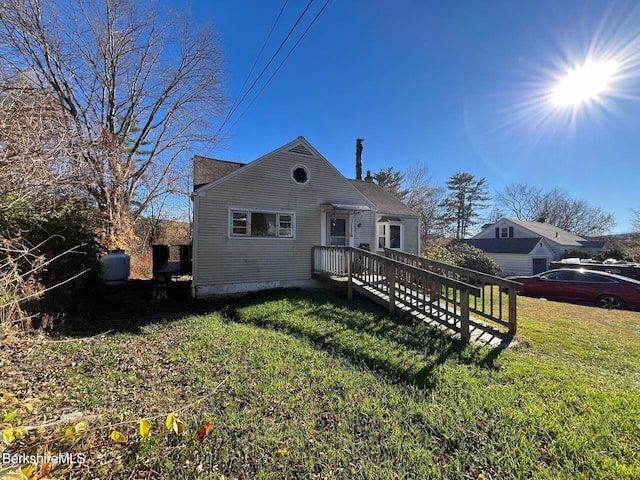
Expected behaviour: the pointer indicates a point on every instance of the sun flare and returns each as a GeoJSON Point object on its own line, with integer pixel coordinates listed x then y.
{"type": "Point", "coordinates": [585, 83]}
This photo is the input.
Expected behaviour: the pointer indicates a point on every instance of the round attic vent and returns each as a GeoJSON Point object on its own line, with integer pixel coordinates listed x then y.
{"type": "Point", "coordinates": [300, 174]}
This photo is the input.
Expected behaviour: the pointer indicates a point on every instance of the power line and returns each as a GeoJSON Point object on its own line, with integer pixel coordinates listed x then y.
{"type": "Point", "coordinates": [244, 84]}
{"type": "Point", "coordinates": [244, 96]}
{"type": "Point", "coordinates": [282, 62]}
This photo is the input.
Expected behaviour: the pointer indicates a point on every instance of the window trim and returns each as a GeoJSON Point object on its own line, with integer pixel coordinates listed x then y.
{"type": "Point", "coordinates": [387, 235]}
{"type": "Point", "coordinates": [249, 212]}
{"type": "Point", "coordinates": [306, 169]}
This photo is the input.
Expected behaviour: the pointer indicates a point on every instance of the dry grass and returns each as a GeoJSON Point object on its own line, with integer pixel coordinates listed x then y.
{"type": "Point", "coordinates": [141, 266]}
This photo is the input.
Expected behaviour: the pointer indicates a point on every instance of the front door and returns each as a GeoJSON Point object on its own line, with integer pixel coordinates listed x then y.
{"type": "Point", "coordinates": [338, 232]}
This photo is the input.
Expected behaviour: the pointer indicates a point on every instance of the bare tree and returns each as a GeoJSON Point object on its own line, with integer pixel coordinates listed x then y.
{"type": "Point", "coordinates": [630, 243]}
{"type": "Point", "coordinates": [556, 207]}
{"type": "Point", "coordinates": [521, 201]}
{"type": "Point", "coordinates": [424, 198]}
{"type": "Point", "coordinates": [34, 139]}
{"type": "Point", "coordinates": [137, 89]}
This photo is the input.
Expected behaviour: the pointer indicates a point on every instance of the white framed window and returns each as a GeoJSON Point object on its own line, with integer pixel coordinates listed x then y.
{"type": "Point", "coordinates": [390, 235]}
{"type": "Point", "coordinates": [504, 232]}
{"type": "Point", "coordinates": [239, 223]}
{"type": "Point", "coordinates": [264, 224]}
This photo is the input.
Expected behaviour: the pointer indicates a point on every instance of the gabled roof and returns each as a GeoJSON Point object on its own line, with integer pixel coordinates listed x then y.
{"type": "Point", "coordinates": [300, 146]}
{"type": "Point", "coordinates": [386, 204]}
{"type": "Point", "coordinates": [593, 244]}
{"type": "Point", "coordinates": [207, 170]}
{"type": "Point", "coordinates": [550, 232]}
{"type": "Point", "coordinates": [504, 245]}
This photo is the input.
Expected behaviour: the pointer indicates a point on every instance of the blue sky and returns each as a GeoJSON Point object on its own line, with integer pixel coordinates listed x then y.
{"type": "Point", "coordinates": [457, 85]}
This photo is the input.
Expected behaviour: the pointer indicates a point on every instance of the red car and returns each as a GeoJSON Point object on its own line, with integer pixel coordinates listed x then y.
{"type": "Point", "coordinates": [605, 290]}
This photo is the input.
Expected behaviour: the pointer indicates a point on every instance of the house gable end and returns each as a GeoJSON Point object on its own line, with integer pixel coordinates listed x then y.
{"type": "Point", "coordinates": [522, 229]}
{"type": "Point", "coordinates": [299, 147]}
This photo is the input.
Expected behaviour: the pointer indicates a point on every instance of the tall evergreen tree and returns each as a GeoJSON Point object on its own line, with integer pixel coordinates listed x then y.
{"type": "Point", "coordinates": [391, 181]}
{"type": "Point", "coordinates": [467, 196]}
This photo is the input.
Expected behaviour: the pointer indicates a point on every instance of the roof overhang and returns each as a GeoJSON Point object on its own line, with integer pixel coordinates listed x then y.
{"type": "Point", "coordinates": [347, 207]}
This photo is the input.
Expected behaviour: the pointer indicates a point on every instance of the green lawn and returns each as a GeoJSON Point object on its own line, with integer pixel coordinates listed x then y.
{"type": "Point", "coordinates": [306, 385]}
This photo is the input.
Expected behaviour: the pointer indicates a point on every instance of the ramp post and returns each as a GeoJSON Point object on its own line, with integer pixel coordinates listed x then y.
{"type": "Point", "coordinates": [349, 274]}
{"type": "Point", "coordinates": [391, 278]}
{"type": "Point", "coordinates": [464, 316]}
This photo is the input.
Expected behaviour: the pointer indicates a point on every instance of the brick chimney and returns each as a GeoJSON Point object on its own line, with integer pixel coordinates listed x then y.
{"type": "Point", "coordinates": [368, 178]}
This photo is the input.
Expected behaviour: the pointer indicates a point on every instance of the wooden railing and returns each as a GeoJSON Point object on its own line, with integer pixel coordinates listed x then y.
{"type": "Point", "coordinates": [497, 300]}
{"type": "Point", "coordinates": [399, 285]}
{"type": "Point", "coordinates": [330, 261]}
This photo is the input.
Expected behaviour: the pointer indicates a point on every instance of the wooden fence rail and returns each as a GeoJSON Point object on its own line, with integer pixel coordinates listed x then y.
{"type": "Point", "coordinates": [497, 301]}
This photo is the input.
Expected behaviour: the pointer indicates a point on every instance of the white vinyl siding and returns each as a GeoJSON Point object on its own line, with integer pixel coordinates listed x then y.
{"type": "Point", "coordinates": [225, 263]}
{"type": "Point", "coordinates": [512, 263]}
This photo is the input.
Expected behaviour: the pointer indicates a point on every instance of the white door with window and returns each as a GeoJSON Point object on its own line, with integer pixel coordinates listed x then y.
{"type": "Point", "coordinates": [338, 230]}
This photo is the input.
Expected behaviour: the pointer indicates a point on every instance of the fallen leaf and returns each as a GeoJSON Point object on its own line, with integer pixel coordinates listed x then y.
{"type": "Point", "coordinates": [204, 431]}
{"type": "Point", "coordinates": [145, 426]}
{"type": "Point", "coordinates": [45, 469]}
{"type": "Point", "coordinates": [13, 476]}
{"type": "Point", "coordinates": [174, 424]}
{"type": "Point", "coordinates": [119, 438]}
{"type": "Point", "coordinates": [10, 416]}
{"type": "Point", "coordinates": [7, 436]}
{"type": "Point", "coordinates": [29, 471]}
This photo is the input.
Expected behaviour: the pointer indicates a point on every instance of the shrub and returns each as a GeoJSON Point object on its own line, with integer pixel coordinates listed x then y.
{"type": "Point", "coordinates": [473, 258]}
{"type": "Point", "coordinates": [43, 246]}
{"type": "Point", "coordinates": [464, 255]}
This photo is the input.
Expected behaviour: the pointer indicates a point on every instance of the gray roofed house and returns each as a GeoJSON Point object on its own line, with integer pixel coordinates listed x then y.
{"type": "Point", "coordinates": [526, 248]}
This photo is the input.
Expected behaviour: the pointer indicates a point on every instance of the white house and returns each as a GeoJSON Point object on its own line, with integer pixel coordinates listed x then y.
{"type": "Point", "coordinates": [255, 224]}
{"type": "Point", "coordinates": [527, 248]}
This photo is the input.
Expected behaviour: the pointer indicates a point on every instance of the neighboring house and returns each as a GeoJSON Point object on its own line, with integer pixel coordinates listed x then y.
{"type": "Point", "coordinates": [527, 248]}
{"type": "Point", "coordinates": [255, 224]}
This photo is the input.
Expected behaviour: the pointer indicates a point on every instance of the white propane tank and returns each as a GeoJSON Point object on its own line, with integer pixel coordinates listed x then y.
{"type": "Point", "coordinates": [116, 267]}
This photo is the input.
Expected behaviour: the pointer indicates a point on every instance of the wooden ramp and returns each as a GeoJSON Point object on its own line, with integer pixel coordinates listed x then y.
{"type": "Point", "coordinates": [441, 301]}
{"type": "Point", "coordinates": [435, 316]}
